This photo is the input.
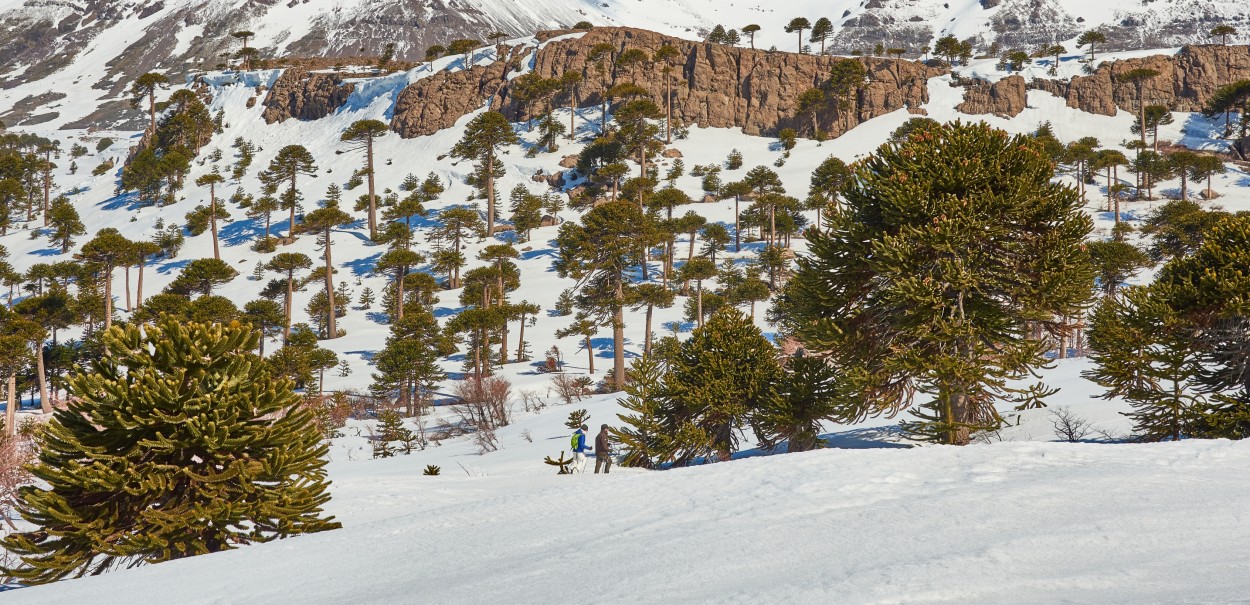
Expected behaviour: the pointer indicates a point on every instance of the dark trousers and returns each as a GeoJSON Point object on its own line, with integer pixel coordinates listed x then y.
{"type": "Point", "coordinates": [603, 459]}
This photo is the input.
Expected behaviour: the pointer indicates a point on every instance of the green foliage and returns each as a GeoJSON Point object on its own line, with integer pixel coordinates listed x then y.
{"type": "Point", "coordinates": [642, 435]}
{"type": "Point", "coordinates": [431, 470]}
{"type": "Point", "coordinates": [804, 397]}
{"type": "Point", "coordinates": [717, 381]}
{"type": "Point", "coordinates": [577, 418]}
{"type": "Point", "coordinates": [949, 247]}
{"type": "Point", "coordinates": [191, 444]}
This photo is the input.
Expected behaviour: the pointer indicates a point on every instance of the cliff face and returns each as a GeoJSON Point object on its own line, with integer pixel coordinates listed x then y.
{"type": "Point", "coordinates": [305, 96]}
{"type": "Point", "coordinates": [436, 102]}
{"type": "Point", "coordinates": [712, 85]}
{"type": "Point", "coordinates": [1005, 98]}
{"type": "Point", "coordinates": [1185, 81]}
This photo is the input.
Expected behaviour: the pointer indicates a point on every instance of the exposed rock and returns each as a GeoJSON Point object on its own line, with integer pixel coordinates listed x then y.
{"type": "Point", "coordinates": [723, 87]}
{"type": "Point", "coordinates": [436, 102]}
{"type": "Point", "coordinates": [717, 86]}
{"type": "Point", "coordinates": [1185, 82]}
{"type": "Point", "coordinates": [251, 102]}
{"type": "Point", "coordinates": [539, 177]}
{"type": "Point", "coordinates": [709, 198]}
{"type": "Point", "coordinates": [1005, 98]}
{"type": "Point", "coordinates": [504, 228]}
{"type": "Point", "coordinates": [671, 153]}
{"type": "Point", "coordinates": [305, 96]}
{"type": "Point", "coordinates": [556, 180]}
{"type": "Point", "coordinates": [548, 221]}
{"type": "Point", "coordinates": [569, 161]}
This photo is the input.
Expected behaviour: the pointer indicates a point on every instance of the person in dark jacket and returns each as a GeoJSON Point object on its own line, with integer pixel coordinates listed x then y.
{"type": "Point", "coordinates": [604, 455]}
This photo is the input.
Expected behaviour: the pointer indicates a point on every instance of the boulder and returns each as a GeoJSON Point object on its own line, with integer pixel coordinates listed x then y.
{"type": "Point", "coordinates": [569, 161]}
{"type": "Point", "coordinates": [671, 153]}
{"type": "Point", "coordinates": [548, 221]}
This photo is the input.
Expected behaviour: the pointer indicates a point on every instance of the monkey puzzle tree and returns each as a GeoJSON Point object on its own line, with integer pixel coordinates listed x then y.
{"type": "Point", "coordinates": [797, 25]}
{"type": "Point", "coordinates": [291, 162]}
{"type": "Point", "coordinates": [933, 283]}
{"type": "Point", "coordinates": [323, 221]}
{"type": "Point", "coordinates": [597, 252]}
{"type": "Point", "coordinates": [483, 139]}
{"type": "Point", "coordinates": [750, 31]}
{"type": "Point", "coordinates": [108, 248]}
{"type": "Point", "coordinates": [1091, 38]}
{"type": "Point", "coordinates": [145, 88]}
{"type": "Point", "coordinates": [288, 263]}
{"type": "Point", "coordinates": [1137, 77]}
{"type": "Point", "coordinates": [194, 447]}
{"type": "Point", "coordinates": [212, 180]}
{"type": "Point", "coordinates": [362, 133]}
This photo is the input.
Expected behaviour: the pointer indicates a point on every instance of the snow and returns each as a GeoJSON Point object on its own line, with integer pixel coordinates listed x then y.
{"type": "Point", "coordinates": [1019, 523]}
{"type": "Point", "coordinates": [873, 521]}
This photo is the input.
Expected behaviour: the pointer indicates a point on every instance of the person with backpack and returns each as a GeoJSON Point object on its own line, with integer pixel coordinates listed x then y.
{"type": "Point", "coordinates": [603, 457]}
{"type": "Point", "coordinates": [578, 443]}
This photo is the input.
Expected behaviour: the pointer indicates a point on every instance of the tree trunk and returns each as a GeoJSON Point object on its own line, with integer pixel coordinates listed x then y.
{"type": "Point", "coordinates": [737, 228]}
{"type": "Point", "coordinates": [212, 217]}
{"type": "Point", "coordinates": [618, 336]}
{"type": "Point", "coordinates": [290, 294]}
{"type": "Point", "coordinates": [331, 321]}
{"type": "Point", "coordinates": [129, 307]}
{"type": "Point", "coordinates": [10, 409]}
{"type": "Point", "coordinates": [668, 109]}
{"type": "Point", "coordinates": [490, 192]}
{"type": "Point", "coordinates": [45, 404]}
{"type": "Point", "coordinates": [291, 231]}
{"type": "Point", "coordinates": [590, 352]}
{"type": "Point", "coordinates": [400, 295]}
{"type": "Point", "coordinates": [373, 199]}
{"type": "Point", "coordinates": [520, 345]}
{"type": "Point", "coordinates": [646, 347]}
{"type": "Point", "coordinates": [108, 296]}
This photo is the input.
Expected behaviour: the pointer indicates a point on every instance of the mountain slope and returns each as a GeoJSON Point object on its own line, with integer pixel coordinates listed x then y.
{"type": "Point", "coordinates": [93, 49]}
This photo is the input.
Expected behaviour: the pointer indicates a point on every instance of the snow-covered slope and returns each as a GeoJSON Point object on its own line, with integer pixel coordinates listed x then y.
{"type": "Point", "coordinates": [92, 49]}
{"type": "Point", "coordinates": [1004, 523]}
{"type": "Point", "coordinates": [97, 200]}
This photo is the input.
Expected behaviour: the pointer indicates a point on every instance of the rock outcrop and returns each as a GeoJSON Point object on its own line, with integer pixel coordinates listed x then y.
{"type": "Point", "coordinates": [1005, 98]}
{"type": "Point", "coordinates": [303, 95]}
{"type": "Point", "coordinates": [713, 85]}
{"type": "Point", "coordinates": [1185, 82]}
{"type": "Point", "coordinates": [436, 102]}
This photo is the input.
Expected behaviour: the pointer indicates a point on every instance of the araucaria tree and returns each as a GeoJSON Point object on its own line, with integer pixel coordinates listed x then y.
{"type": "Point", "coordinates": [597, 252]}
{"type": "Point", "coordinates": [176, 443]}
{"type": "Point", "coordinates": [144, 89]}
{"type": "Point", "coordinates": [797, 25]}
{"type": "Point", "coordinates": [291, 162]}
{"type": "Point", "coordinates": [408, 364]}
{"type": "Point", "coordinates": [484, 136]}
{"type": "Point", "coordinates": [362, 133]}
{"type": "Point", "coordinates": [717, 381]}
{"type": "Point", "coordinates": [953, 253]}
{"type": "Point", "coordinates": [323, 221]}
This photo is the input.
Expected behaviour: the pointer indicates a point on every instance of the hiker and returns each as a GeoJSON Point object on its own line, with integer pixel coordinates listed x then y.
{"type": "Point", "coordinates": [578, 441]}
{"type": "Point", "coordinates": [604, 455]}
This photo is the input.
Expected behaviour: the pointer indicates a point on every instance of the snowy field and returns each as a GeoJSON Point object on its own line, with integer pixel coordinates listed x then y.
{"type": "Point", "coordinates": [872, 521]}
{"type": "Point", "coordinates": [1003, 523]}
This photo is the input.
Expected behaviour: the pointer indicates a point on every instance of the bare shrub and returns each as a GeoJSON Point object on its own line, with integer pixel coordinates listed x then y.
{"type": "Point", "coordinates": [485, 403]}
{"type": "Point", "coordinates": [531, 401]}
{"type": "Point", "coordinates": [527, 435]}
{"type": "Point", "coordinates": [570, 389]}
{"type": "Point", "coordinates": [1069, 426]}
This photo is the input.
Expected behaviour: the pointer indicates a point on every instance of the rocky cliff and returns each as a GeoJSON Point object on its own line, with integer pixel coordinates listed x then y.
{"type": "Point", "coordinates": [305, 96]}
{"type": "Point", "coordinates": [1005, 98]}
{"type": "Point", "coordinates": [712, 85]}
{"type": "Point", "coordinates": [436, 102]}
{"type": "Point", "coordinates": [1185, 82]}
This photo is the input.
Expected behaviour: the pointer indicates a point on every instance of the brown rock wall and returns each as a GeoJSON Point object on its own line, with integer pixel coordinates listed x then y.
{"type": "Point", "coordinates": [305, 96]}
{"type": "Point", "coordinates": [1005, 98]}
